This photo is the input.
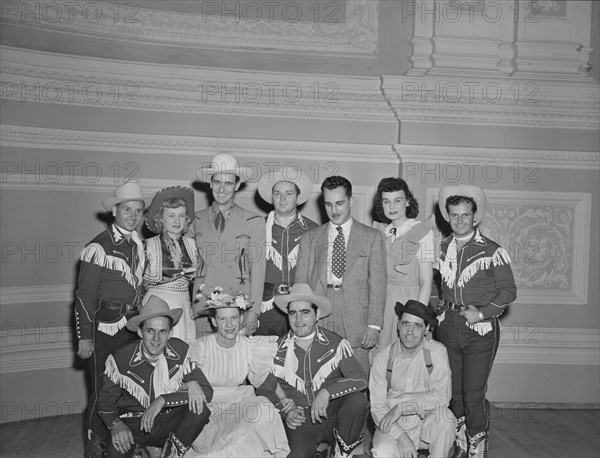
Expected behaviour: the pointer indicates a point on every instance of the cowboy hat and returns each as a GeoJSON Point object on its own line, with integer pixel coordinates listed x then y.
{"type": "Point", "coordinates": [303, 292]}
{"type": "Point", "coordinates": [290, 174]}
{"type": "Point", "coordinates": [224, 163]}
{"type": "Point", "coordinates": [181, 192]}
{"type": "Point", "coordinates": [127, 192]}
{"type": "Point", "coordinates": [474, 192]}
{"type": "Point", "coordinates": [154, 307]}
{"type": "Point", "coordinates": [419, 309]}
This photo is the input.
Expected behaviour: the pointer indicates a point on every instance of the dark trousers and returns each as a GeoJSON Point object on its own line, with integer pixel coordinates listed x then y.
{"type": "Point", "coordinates": [273, 323]}
{"type": "Point", "coordinates": [471, 357]}
{"type": "Point", "coordinates": [104, 345]}
{"type": "Point", "coordinates": [346, 414]}
{"type": "Point", "coordinates": [185, 425]}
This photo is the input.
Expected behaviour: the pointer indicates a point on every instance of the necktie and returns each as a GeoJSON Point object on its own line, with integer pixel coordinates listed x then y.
{"type": "Point", "coordinates": [220, 222]}
{"type": "Point", "coordinates": [138, 257]}
{"type": "Point", "coordinates": [338, 260]}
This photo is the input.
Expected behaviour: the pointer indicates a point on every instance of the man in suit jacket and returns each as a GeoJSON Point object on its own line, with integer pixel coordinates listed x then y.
{"type": "Point", "coordinates": [353, 281]}
{"type": "Point", "coordinates": [231, 242]}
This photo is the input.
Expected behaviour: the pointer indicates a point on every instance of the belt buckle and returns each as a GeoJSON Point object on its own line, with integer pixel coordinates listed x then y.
{"type": "Point", "coordinates": [336, 287]}
{"type": "Point", "coordinates": [131, 308]}
{"type": "Point", "coordinates": [282, 289]}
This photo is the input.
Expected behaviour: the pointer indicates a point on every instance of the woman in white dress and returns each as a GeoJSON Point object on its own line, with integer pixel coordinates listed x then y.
{"type": "Point", "coordinates": [410, 251]}
{"type": "Point", "coordinates": [172, 258]}
{"type": "Point", "coordinates": [241, 423]}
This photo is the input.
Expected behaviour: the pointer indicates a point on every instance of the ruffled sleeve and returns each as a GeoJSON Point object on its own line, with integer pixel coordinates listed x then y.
{"type": "Point", "coordinates": [262, 353]}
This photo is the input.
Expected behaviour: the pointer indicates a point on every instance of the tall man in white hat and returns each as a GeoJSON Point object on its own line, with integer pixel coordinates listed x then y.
{"type": "Point", "coordinates": [477, 286]}
{"type": "Point", "coordinates": [109, 291]}
{"type": "Point", "coordinates": [286, 189]}
{"type": "Point", "coordinates": [154, 395]}
{"type": "Point", "coordinates": [231, 241]}
{"type": "Point", "coordinates": [316, 368]}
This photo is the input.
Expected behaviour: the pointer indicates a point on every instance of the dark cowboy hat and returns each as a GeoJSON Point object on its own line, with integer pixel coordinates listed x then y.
{"type": "Point", "coordinates": [416, 308]}
{"type": "Point", "coordinates": [153, 308]}
{"type": "Point", "coordinates": [182, 192]}
{"type": "Point", "coordinates": [303, 292]}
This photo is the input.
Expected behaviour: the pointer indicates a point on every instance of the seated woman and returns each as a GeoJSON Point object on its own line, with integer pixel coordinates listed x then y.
{"type": "Point", "coordinates": [410, 251]}
{"type": "Point", "coordinates": [171, 256]}
{"type": "Point", "coordinates": [241, 423]}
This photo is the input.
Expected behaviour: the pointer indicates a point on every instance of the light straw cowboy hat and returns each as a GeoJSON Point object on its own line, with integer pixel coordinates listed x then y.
{"type": "Point", "coordinates": [290, 174]}
{"type": "Point", "coordinates": [474, 192]}
{"type": "Point", "coordinates": [303, 292]}
{"type": "Point", "coordinates": [154, 307]}
{"type": "Point", "coordinates": [125, 193]}
{"type": "Point", "coordinates": [170, 192]}
{"type": "Point", "coordinates": [224, 163]}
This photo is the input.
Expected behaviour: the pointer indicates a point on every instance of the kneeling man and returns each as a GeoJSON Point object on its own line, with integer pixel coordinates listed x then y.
{"type": "Point", "coordinates": [317, 370]}
{"type": "Point", "coordinates": [410, 385]}
{"type": "Point", "coordinates": [154, 395]}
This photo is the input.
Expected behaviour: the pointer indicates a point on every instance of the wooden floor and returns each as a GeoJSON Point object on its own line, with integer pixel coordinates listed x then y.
{"type": "Point", "coordinates": [514, 434]}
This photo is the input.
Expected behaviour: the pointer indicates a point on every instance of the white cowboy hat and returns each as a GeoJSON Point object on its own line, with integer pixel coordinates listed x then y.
{"type": "Point", "coordinates": [224, 163]}
{"type": "Point", "coordinates": [127, 192]}
{"type": "Point", "coordinates": [154, 307]}
{"type": "Point", "coordinates": [181, 192]}
{"type": "Point", "coordinates": [303, 292]}
{"type": "Point", "coordinates": [290, 174]}
{"type": "Point", "coordinates": [474, 192]}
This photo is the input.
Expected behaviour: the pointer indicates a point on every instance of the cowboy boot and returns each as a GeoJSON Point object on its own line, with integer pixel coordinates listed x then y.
{"type": "Point", "coordinates": [341, 449]}
{"type": "Point", "coordinates": [173, 448]}
{"type": "Point", "coordinates": [460, 445]}
{"type": "Point", "coordinates": [478, 445]}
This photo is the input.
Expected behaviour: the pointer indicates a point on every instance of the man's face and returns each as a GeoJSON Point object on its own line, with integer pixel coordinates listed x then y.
{"type": "Point", "coordinates": [303, 318]}
{"type": "Point", "coordinates": [285, 198]}
{"type": "Point", "coordinates": [155, 333]}
{"type": "Point", "coordinates": [338, 205]}
{"type": "Point", "coordinates": [223, 187]}
{"type": "Point", "coordinates": [128, 214]}
{"type": "Point", "coordinates": [461, 218]}
{"type": "Point", "coordinates": [411, 330]}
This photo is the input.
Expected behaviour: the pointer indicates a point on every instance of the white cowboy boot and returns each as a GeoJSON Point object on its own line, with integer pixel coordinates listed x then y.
{"type": "Point", "coordinates": [341, 449]}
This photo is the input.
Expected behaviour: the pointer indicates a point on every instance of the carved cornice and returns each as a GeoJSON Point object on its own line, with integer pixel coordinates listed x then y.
{"type": "Point", "coordinates": [499, 101]}
{"type": "Point", "coordinates": [40, 77]}
{"type": "Point", "coordinates": [43, 138]}
{"type": "Point", "coordinates": [467, 156]}
{"type": "Point", "coordinates": [128, 22]}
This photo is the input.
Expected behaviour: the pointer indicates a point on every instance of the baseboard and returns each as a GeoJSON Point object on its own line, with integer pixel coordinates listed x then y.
{"type": "Point", "coordinates": [547, 405]}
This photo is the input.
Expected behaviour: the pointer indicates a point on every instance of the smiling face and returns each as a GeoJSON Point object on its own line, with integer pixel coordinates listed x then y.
{"type": "Point", "coordinates": [394, 205]}
{"type": "Point", "coordinates": [128, 214]}
{"type": "Point", "coordinates": [337, 205]}
{"type": "Point", "coordinates": [411, 330]}
{"type": "Point", "coordinates": [285, 198]}
{"type": "Point", "coordinates": [173, 220]}
{"type": "Point", "coordinates": [302, 317]}
{"type": "Point", "coordinates": [461, 218]}
{"type": "Point", "coordinates": [228, 322]}
{"type": "Point", "coordinates": [223, 187]}
{"type": "Point", "coordinates": [155, 332]}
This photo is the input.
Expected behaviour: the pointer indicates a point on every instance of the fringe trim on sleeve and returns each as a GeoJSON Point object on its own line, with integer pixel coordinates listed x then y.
{"type": "Point", "coordinates": [267, 305]}
{"type": "Point", "coordinates": [343, 350]}
{"type": "Point", "coordinates": [112, 372]}
{"type": "Point", "coordinates": [112, 328]}
{"type": "Point", "coordinates": [288, 371]}
{"type": "Point", "coordinates": [95, 254]}
{"type": "Point", "coordinates": [499, 258]}
{"type": "Point", "coordinates": [448, 265]}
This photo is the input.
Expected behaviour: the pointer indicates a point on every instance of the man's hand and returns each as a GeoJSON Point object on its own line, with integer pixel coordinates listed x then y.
{"type": "Point", "coordinates": [196, 398]}
{"type": "Point", "coordinates": [406, 448]}
{"type": "Point", "coordinates": [250, 322]}
{"type": "Point", "coordinates": [318, 410]}
{"type": "Point", "coordinates": [287, 404]}
{"type": "Point", "coordinates": [121, 437]}
{"type": "Point", "coordinates": [471, 314]}
{"type": "Point", "coordinates": [86, 348]}
{"type": "Point", "coordinates": [370, 338]}
{"type": "Point", "coordinates": [385, 425]}
{"type": "Point", "coordinates": [295, 418]}
{"type": "Point", "coordinates": [150, 414]}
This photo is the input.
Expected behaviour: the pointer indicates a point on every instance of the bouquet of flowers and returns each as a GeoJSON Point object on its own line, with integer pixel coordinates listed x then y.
{"type": "Point", "coordinates": [219, 299]}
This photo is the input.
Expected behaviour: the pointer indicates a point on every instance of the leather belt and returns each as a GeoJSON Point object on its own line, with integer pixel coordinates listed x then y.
{"type": "Point", "coordinates": [444, 305]}
{"type": "Point", "coordinates": [278, 289]}
{"type": "Point", "coordinates": [119, 306]}
{"type": "Point", "coordinates": [337, 287]}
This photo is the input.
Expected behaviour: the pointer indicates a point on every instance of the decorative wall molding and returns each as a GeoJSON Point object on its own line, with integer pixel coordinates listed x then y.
{"type": "Point", "coordinates": [271, 150]}
{"type": "Point", "coordinates": [59, 79]}
{"type": "Point", "coordinates": [547, 235]}
{"type": "Point", "coordinates": [50, 347]}
{"type": "Point", "coordinates": [475, 99]}
{"type": "Point", "coordinates": [412, 156]}
{"type": "Point", "coordinates": [356, 36]}
{"type": "Point", "coordinates": [33, 294]}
